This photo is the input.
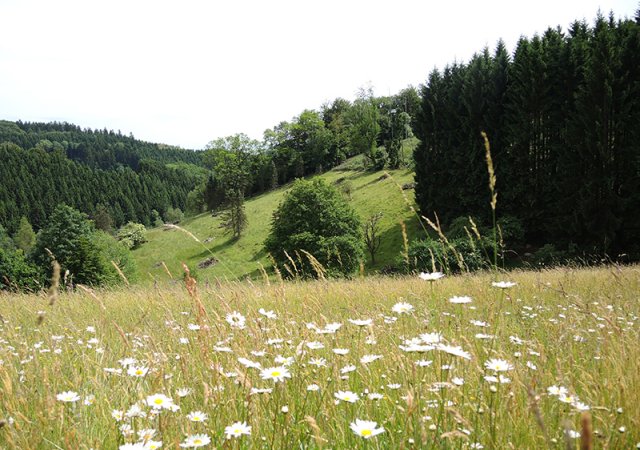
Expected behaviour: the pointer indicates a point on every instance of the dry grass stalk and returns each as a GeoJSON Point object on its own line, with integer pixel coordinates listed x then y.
{"type": "Point", "coordinates": [438, 229]}
{"type": "Point", "coordinates": [166, 269]}
{"type": "Point", "coordinates": [492, 174]}
{"type": "Point", "coordinates": [93, 295]}
{"type": "Point", "coordinates": [317, 266]}
{"type": "Point", "coordinates": [533, 404]}
{"type": "Point", "coordinates": [405, 242]}
{"type": "Point", "coordinates": [586, 432]}
{"type": "Point", "coordinates": [124, 278]}
{"type": "Point", "coordinates": [55, 282]}
{"type": "Point", "coordinates": [316, 431]}
{"type": "Point", "coordinates": [295, 268]}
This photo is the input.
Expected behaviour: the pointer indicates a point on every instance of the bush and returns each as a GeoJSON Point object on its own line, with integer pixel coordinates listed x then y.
{"type": "Point", "coordinates": [111, 250]}
{"type": "Point", "coordinates": [16, 273]}
{"type": "Point", "coordinates": [173, 215]}
{"type": "Point", "coordinates": [315, 218]}
{"type": "Point", "coordinates": [85, 253]}
{"type": "Point", "coordinates": [463, 257]}
{"type": "Point", "coordinates": [132, 235]}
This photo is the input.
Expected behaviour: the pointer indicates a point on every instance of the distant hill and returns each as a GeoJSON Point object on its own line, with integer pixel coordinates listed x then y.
{"type": "Point", "coordinates": [44, 164]}
{"type": "Point", "coordinates": [221, 257]}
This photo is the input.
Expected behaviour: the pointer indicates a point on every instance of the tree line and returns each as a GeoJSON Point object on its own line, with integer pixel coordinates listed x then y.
{"type": "Point", "coordinates": [563, 118]}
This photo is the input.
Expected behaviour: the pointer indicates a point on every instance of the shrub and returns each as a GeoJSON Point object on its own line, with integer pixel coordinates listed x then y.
{"type": "Point", "coordinates": [132, 235]}
{"type": "Point", "coordinates": [16, 273]}
{"type": "Point", "coordinates": [460, 256]}
{"type": "Point", "coordinates": [85, 253]}
{"type": "Point", "coordinates": [315, 218]}
{"type": "Point", "coordinates": [173, 215]}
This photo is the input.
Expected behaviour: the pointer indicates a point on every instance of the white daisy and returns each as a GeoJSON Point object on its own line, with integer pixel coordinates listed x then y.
{"type": "Point", "coordinates": [237, 429]}
{"type": "Point", "coordinates": [365, 428]}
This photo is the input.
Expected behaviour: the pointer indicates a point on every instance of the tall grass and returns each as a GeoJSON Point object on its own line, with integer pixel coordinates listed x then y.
{"type": "Point", "coordinates": [577, 329]}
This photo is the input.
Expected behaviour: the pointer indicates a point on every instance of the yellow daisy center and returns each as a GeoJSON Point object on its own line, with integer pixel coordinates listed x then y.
{"type": "Point", "coordinates": [139, 372]}
{"type": "Point", "coordinates": [158, 401]}
{"type": "Point", "coordinates": [197, 441]}
{"type": "Point", "coordinates": [237, 431]}
{"type": "Point", "coordinates": [275, 373]}
{"type": "Point", "coordinates": [366, 432]}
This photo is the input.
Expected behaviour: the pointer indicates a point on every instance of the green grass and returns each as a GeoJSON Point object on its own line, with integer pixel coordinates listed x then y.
{"type": "Point", "coordinates": [578, 329]}
{"type": "Point", "coordinates": [243, 257]}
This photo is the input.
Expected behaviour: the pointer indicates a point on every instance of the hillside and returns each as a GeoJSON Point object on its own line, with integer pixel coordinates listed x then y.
{"type": "Point", "coordinates": [372, 192]}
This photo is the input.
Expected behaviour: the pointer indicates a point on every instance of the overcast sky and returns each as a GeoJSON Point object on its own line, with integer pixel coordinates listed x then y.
{"type": "Point", "coordinates": [186, 72]}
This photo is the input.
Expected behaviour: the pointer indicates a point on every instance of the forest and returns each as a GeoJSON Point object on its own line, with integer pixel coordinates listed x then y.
{"type": "Point", "coordinates": [563, 118]}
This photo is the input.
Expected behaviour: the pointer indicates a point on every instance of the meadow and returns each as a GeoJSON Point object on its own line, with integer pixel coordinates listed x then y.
{"type": "Point", "coordinates": [548, 360]}
{"type": "Point", "coordinates": [368, 193]}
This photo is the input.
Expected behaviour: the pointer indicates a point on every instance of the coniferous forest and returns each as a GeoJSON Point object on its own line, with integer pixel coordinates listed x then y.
{"type": "Point", "coordinates": [562, 114]}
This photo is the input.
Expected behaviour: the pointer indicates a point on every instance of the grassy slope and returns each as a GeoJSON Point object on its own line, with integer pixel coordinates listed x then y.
{"type": "Point", "coordinates": [243, 257]}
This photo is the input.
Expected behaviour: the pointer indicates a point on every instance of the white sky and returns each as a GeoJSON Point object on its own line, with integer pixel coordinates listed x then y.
{"type": "Point", "coordinates": [186, 72]}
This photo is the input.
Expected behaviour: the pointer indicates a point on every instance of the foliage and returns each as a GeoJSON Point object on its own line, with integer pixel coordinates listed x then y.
{"type": "Point", "coordinates": [173, 215]}
{"type": "Point", "coordinates": [35, 181]}
{"type": "Point", "coordinates": [561, 115]}
{"type": "Point", "coordinates": [234, 219]}
{"type": "Point", "coordinates": [363, 119]}
{"type": "Point", "coordinates": [71, 239]}
{"type": "Point", "coordinates": [102, 219]}
{"type": "Point", "coordinates": [458, 255]}
{"type": "Point", "coordinates": [156, 220]}
{"type": "Point", "coordinates": [16, 272]}
{"type": "Point", "coordinates": [25, 237]}
{"type": "Point", "coordinates": [132, 235]}
{"type": "Point", "coordinates": [371, 231]}
{"type": "Point", "coordinates": [313, 217]}
{"type": "Point", "coordinates": [112, 251]}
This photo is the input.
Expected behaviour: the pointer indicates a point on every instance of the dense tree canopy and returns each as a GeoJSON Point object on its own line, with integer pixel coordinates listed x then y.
{"type": "Point", "coordinates": [314, 218]}
{"type": "Point", "coordinates": [562, 116]}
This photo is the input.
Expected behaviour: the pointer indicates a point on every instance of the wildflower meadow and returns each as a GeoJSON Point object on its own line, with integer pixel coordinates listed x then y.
{"type": "Point", "coordinates": [524, 360]}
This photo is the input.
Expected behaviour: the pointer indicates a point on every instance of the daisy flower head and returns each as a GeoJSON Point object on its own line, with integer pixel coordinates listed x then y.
{"type": "Point", "coordinates": [557, 390]}
{"type": "Point", "coordinates": [433, 276]}
{"type": "Point", "coordinates": [503, 284]}
{"type": "Point", "coordinates": [133, 446]}
{"type": "Point", "coordinates": [197, 416]}
{"type": "Point", "coordinates": [268, 314]}
{"type": "Point", "coordinates": [366, 359]}
{"type": "Point", "coordinates": [402, 308]}
{"type": "Point", "coordinates": [68, 397]}
{"type": "Point", "coordinates": [431, 338]}
{"type": "Point", "coordinates": [366, 428]}
{"type": "Point", "coordinates": [361, 322]}
{"type": "Point", "coordinates": [460, 300]}
{"type": "Point", "coordinates": [159, 401]}
{"type": "Point", "coordinates": [196, 440]}
{"type": "Point", "coordinates": [146, 434]}
{"type": "Point", "coordinates": [183, 392]}
{"type": "Point", "coordinates": [236, 320]}
{"type": "Point", "coordinates": [250, 364]}
{"type": "Point", "coordinates": [347, 396]}
{"type": "Point", "coordinates": [137, 371]}
{"type": "Point", "coordinates": [277, 374]}
{"type": "Point", "coordinates": [454, 350]}
{"type": "Point", "coordinates": [498, 365]}
{"type": "Point", "coordinates": [237, 429]}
